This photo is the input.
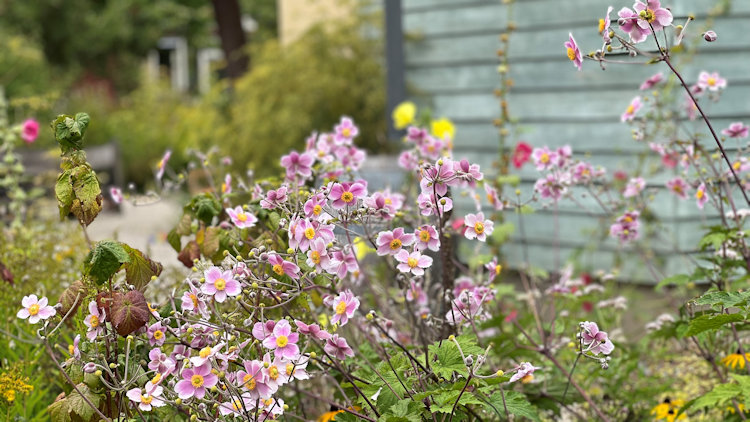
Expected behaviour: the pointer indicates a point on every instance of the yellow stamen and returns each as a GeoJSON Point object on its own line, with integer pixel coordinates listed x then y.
{"type": "Point", "coordinates": [341, 307]}
{"type": "Point", "coordinates": [282, 341]}
{"type": "Point", "coordinates": [196, 381]}
{"type": "Point", "coordinates": [412, 262]}
{"type": "Point", "coordinates": [278, 269]}
{"type": "Point", "coordinates": [347, 196]}
{"type": "Point", "coordinates": [34, 309]}
{"type": "Point", "coordinates": [571, 54]}
{"type": "Point", "coordinates": [479, 227]}
{"type": "Point", "coordinates": [395, 244]}
{"type": "Point", "coordinates": [309, 233]}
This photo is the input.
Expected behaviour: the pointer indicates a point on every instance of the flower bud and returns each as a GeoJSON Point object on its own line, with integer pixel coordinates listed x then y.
{"type": "Point", "coordinates": [499, 373]}
{"type": "Point", "coordinates": [89, 368]}
{"type": "Point", "coordinates": [710, 36]}
{"type": "Point", "coordinates": [98, 373]}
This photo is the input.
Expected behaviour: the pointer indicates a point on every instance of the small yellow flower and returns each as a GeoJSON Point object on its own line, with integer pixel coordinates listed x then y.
{"type": "Point", "coordinates": [668, 409]}
{"type": "Point", "coordinates": [403, 115]}
{"type": "Point", "coordinates": [443, 128]}
{"type": "Point", "coordinates": [735, 359]}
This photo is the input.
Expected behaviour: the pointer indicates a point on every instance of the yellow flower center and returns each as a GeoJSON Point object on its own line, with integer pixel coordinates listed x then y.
{"type": "Point", "coordinates": [223, 188]}
{"type": "Point", "coordinates": [341, 307]}
{"type": "Point", "coordinates": [146, 399]}
{"type": "Point", "coordinates": [71, 349]}
{"type": "Point", "coordinates": [315, 257]}
{"type": "Point", "coordinates": [544, 158]}
{"type": "Point", "coordinates": [527, 379]}
{"type": "Point", "coordinates": [424, 235]}
{"type": "Point", "coordinates": [249, 382]}
{"type": "Point", "coordinates": [677, 189]}
{"type": "Point", "coordinates": [196, 380]}
{"type": "Point", "coordinates": [601, 25]}
{"type": "Point", "coordinates": [388, 201]}
{"type": "Point", "coordinates": [309, 233]}
{"type": "Point", "coordinates": [205, 352]}
{"type": "Point", "coordinates": [282, 341]}
{"type": "Point", "coordinates": [193, 297]}
{"type": "Point", "coordinates": [498, 268]}
{"type": "Point", "coordinates": [242, 217]}
{"type": "Point", "coordinates": [268, 402]}
{"type": "Point", "coordinates": [347, 196]}
{"type": "Point", "coordinates": [317, 209]}
{"type": "Point", "coordinates": [158, 334]}
{"type": "Point", "coordinates": [412, 262]}
{"type": "Point", "coordinates": [571, 54]}
{"type": "Point", "coordinates": [711, 81]}
{"type": "Point", "coordinates": [236, 404]}
{"type": "Point", "coordinates": [34, 309]}
{"type": "Point", "coordinates": [735, 166]}
{"type": "Point", "coordinates": [395, 244]}
{"type": "Point", "coordinates": [649, 15]}
{"type": "Point", "coordinates": [278, 269]}
{"type": "Point", "coordinates": [630, 109]}
{"type": "Point", "coordinates": [220, 284]}
{"type": "Point", "coordinates": [156, 378]}
{"type": "Point", "coordinates": [289, 369]}
{"type": "Point", "coordinates": [273, 372]}
{"type": "Point", "coordinates": [628, 219]}
{"type": "Point", "coordinates": [479, 227]}
{"type": "Point", "coordinates": [346, 132]}
{"type": "Point", "coordinates": [94, 321]}
{"type": "Point", "coordinates": [699, 194]}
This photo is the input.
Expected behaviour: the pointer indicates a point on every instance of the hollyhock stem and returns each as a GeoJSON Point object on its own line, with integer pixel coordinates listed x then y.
{"type": "Point", "coordinates": [666, 60]}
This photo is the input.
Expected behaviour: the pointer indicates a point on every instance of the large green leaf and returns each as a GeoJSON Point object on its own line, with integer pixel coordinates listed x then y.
{"type": "Point", "coordinates": [64, 193]}
{"type": "Point", "coordinates": [88, 196]}
{"type": "Point", "coordinates": [105, 260]}
{"type": "Point", "coordinates": [140, 268]}
{"type": "Point", "coordinates": [516, 403]}
{"type": "Point", "coordinates": [77, 404]}
{"type": "Point", "coordinates": [710, 322]}
{"type": "Point", "coordinates": [723, 299]}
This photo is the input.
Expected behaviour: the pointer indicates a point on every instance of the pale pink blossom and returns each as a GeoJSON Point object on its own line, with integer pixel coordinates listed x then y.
{"type": "Point", "coordinates": [312, 330]}
{"type": "Point", "coordinates": [634, 187]}
{"type": "Point", "coordinates": [630, 112]}
{"type": "Point", "coordinates": [35, 309]}
{"type": "Point", "coordinates": [544, 158]}
{"type": "Point", "coordinates": [338, 348]}
{"type": "Point", "coordinates": [679, 187]}
{"type": "Point", "coordinates": [282, 340]}
{"type": "Point", "coordinates": [254, 379]}
{"type": "Point", "coordinates": [414, 262]}
{"type": "Point", "coordinates": [30, 130]}
{"type": "Point", "coordinates": [701, 196]}
{"type": "Point", "coordinates": [94, 321]}
{"type": "Point", "coordinates": [736, 130]}
{"type": "Point", "coordinates": [426, 238]}
{"type": "Point", "coordinates": [711, 81]}
{"type": "Point", "coordinates": [594, 340]}
{"type": "Point", "coordinates": [391, 242]}
{"type": "Point", "coordinates": [573, 52]}
{"type": "Point", "coordinates": [116, 194]}
{"type": "Point", "coordinates": [523, 370]}
{"type": "Point", "coordinates": [652, 81]}
{"type": "Point", "coordinates": [147, 398]}
{"type": "Point", "coordinates": [220, 284]}
{"type": "Point", "coordinates": [282, 267]}
{"type": "Point", "coordinates": [241, 218]}
{"type": "Point", "coordinates": [346, 194]}
{"type": "Point", "coordinates": [297, 164]}
{"type": "Point", "coordinates": [477, 227]}
{"type": "Point", "coordinates": [344, 306]}
{"type": "Point", "coordinates": [195, 381]}
{"type": "Point", "coordinates": [626, 227]}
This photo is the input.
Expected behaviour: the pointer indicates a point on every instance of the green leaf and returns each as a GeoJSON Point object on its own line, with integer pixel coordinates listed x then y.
{"type": "Point", "coordinates": [59, 411]}
{"type": "Point", "coordinates": [140, 268]}
{"type": "Point", "coordinates": [88, 196]}
{"type": "Point", "coordinates": [677, 280]}
{"type": "Point", "coordinates": [720, 394]}
{"type": "Point", "coordinates": [710, 322]}
{"type": "Point", "coordinates": [210, 245]}
{"type": "Point", "coordinates": [445, 359]}
{"type": "Point", "coordinates": [77, 404]}
{"type": "Point", "coordinates": [516, 403]}
{"type": "Point", "coordinates": [503, 232]}
{"type": "Point", "coordinates": [509, 179]}
{"type": "Point", "coordinates": [64, 193]}
{"type": "Point", "coordinates": [723, 299]}
{"type": "Point", "coordinates": [175, 240]}
{"type": "Point", "coordinates": [444, 402]}
{"type": "Point", "coordinates": [69, 131]}
{"type": "Point", "coordinates": [105, 260]}
{"type": "Point", "coordinates": [184, 226]}
{"type": "Point", "coordinates": [526, 209]}
{"type": "Point", "coordinates": [205, 207]}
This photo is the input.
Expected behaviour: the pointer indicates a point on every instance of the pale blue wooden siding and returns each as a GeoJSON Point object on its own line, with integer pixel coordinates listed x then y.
{"type": "Point", "coordinates": [451, 66]}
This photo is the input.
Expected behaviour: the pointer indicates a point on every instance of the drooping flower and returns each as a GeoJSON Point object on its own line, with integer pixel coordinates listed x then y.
{"type": "Point", "coordinates": [679, 187]}
{"type": "Point", "coordinates": [521, 154]}
{"type": "Point", "coordinates": [195, 381]}
{"type": "Point", "coordinates": [240, 218]}
{"type": "Point", "coordinates": [494, 268]}
{"type": "Point", "coordinates": [407, 160]}
{"type": "Point", "coordinates": [604, 26]}
{"type": "Point", "coordinates": [220, 284]}
{"type": "Point", "coordinates": [736, 130]}
{"type": "Point", "coordinates": [73, 349]}
{"type": "Point", "coordinates": [346, 130]}
{"type": "Point", "coordinates": [342, 262]}
{"type": "Point", "coordinates": [282, 267]}
{"type": "Point", "coordinates": [160, 362]}
{"type": "Point", "coordinates": [416, 293]}
{"type": "Point", "coordinates": [477, 227]}
{"type": "Point", "coordinates": [30, 130]}
{"type": "Point", "coordinates": [437, 178]}
{"type": "Point", "coordinates": [346, 194]}
{"type": "Point", "coordinates": [628, 22]}
{"type": "Point", "coordinates": [282, 340]}
{"type": "Point", "coordinates": [711, 81]}
{"type": "Point", "coordinates": [94, 321]}
{"type": "Point", "coordinates": [652, 81]}
{"type": "Point", "coordinates": [629, 114]}
{"type": "Point", "coordinates": [701, 197]}
{"type": "Point", "coordinates": [428, 204]}
{"type": "Point", "coordinates": [413, 262]}
{"type": "Point", "coordinates": [523, 370]}
{"type": "Point", "coordinates": [35, 309]}
{"type": "Point", "coordinates": [298, 164]}
{"type": "Point", "coordinates": [162, 166]}
{"type": "Point", "coordinates": [573, 52]}
{"type": "Point", "coordinates": [594, 340]}
{"type": "Point", "coordinates": [403, 115]}
{"type": "Point", "coordinates": [551, 186]}
{"type": "Point", "coordinates": [312, 330]}
{"type": "Point", "coordinates": [275, 198]}
{"type": "Point", "coordinates": [344, 306]}
{"type": "Point", "coordinates": [147, 398]}
{"type": "Point", "coordinates": [338, 348]}
{"type": "Point", "coordinates": [492, 197]}
{"type": "Point", "coordinates": [634, 187]}
{"type": "Point", "coordinates": [226, 187]}
{"type": "Point", "coordinates": [735, 359]}
{"type": "Point", "coordinates": [192, 301]}
{"type": "Point", "coordinates": [426, 238]}
{"type": "Point", "coordinates": [391, 242]}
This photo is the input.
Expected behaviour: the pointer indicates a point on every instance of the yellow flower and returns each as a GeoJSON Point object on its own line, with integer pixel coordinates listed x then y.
{"type": "Point", "coordinates": [732, 410]}
{"type": "Point", "coordinates": [11, 385]}
{"type": "Point", "coordinates": [403, 114]}
{"type": "Point", "coordinates": [331, 416]}
{"type": "Point", "coordinates": [443, 128]}
{"type": "Point", "coordinates": [668, 409]}
{"type": "Point", "coordinates": [361, 248]}
{"type": "Point", "coordinates": [735, 359]}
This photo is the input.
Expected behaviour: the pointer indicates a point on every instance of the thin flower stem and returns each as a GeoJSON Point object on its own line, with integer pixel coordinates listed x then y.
{"type": "Point", "coordinates": [468, 380]}
{"type": "Point", "coordinates": [571, 376]}
{"type": "Point", "coordinates": [505, 406]}
{"type": "Point", "coordinates": [710, 127]}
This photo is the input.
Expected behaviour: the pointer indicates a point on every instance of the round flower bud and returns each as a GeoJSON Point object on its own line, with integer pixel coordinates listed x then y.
{"type": "Point", "coordinates": [290, 251]}
{"type": "Point", "coordinates": [178, 401]}
{"type": "Point", "coordinates": [112, 365]}
{"type": "Point", "coordinates": [499, 373]}
{"type": "Point", "coordinates": [98, 373]}
{"type": "Point", "coordinates": [710, 36]}
{"type": "Point", "coordinates": [313, 355]}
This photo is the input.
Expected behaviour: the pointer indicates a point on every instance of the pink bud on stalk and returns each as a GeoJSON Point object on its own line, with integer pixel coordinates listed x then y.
{"type": "Point", "coordinates": [710, 36]}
